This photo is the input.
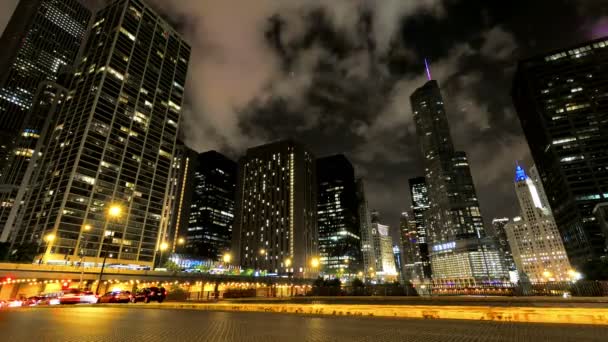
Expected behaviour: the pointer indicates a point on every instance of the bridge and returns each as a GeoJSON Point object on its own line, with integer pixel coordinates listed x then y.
{"type": "Point", "coordinates": [24, 280]}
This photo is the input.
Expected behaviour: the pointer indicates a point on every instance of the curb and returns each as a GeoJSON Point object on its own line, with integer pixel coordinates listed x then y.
{"type": "Point", "coordinates": [585, 316]}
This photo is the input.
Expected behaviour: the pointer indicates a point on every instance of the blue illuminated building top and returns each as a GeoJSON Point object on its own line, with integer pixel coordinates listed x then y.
{"type": "Point", "coordinates": [520, 174]}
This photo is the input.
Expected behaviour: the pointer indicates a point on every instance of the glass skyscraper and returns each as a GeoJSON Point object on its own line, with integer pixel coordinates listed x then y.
{"type": "Point", "coordinates": [276, 217]}
{"type": "Point", "coordinates": [211, 216]}
{"type": "Point", "coordinates": [101, 186]}
{"type": "Point", "coordinates": [339, 228]}
{"type": "Point", "coordinates": [561, 98]}
{"type": "Point", "coordinates": [460, 251]}
{"type": "Point", "coordinates": [367, 244]}
{"type": "Point", "coordinates": [420, 206]}
{"type": "Point", "coordinates": [41, 40]}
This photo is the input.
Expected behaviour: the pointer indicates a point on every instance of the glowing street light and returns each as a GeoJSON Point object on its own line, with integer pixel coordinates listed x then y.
{"type": "Point", "coordinates": [574, 276]}
{"type": "Point", "coordinates": [181, 241]}
{"type": "Point", "coordinates": [49, 238]}
{"type": "Point", "coordinates": [227, 258]}
{"type": "Point", "coordinates": [314, 262]}
{"type": "Point", "coordinates": [86, 227]}
{"type": "Point", "coordinates": [163, 246]}
{"type": "Point", "coordinates": [287, 262]}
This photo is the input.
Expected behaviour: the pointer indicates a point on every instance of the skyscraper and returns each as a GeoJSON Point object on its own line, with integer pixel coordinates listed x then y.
{"type": "Point", "coordinates": [338, 216]}
{"type": "Point", "coordinates": [276, 217]}
{"type": "Point", "coordinates": [500, 236]}
{"type": "Point", "coordinates": [41, 41]}
{"type": "Point", "coordinates": [101, 187]}
{"type": "Point", "coordinates": [413, 267]}
{"type": "Point", "coordinates": [180, 194]}
{"type": "Point", "coordinates": [367, 244]}
{"type": "Point", "coordinates": [212, 205]}
{"type": "Point", "coordinates": [537, 247]}
{"type": "Point", "coordinates": [385, 268]}
{"type": "Point", "coordinates": [41, 38]}
{"type": "Point", "coordinates": [460, 251]}
{"type": "Point", "coordinates": [559, 97]}
{"type": "Point", "coordinates": [420, 206]}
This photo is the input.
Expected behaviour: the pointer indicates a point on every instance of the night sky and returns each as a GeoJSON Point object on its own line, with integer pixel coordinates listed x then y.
{"type": "Point", "coordinates": [337, 75]}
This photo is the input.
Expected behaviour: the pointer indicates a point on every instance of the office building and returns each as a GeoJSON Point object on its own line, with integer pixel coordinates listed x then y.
{"type": "Point", "coordinates": [212, 205]}
{"type": "Point", "coordinates": [535, 242]}
{"type": "Point", "coordinates": [500, 237]}
{"type": "Point", "coordinates": [276, 217]}
{"type": "Point", "coordinates": [601, 214]}
{"type": "Point", "coordinates": [41, 40]}
{"type": "Point", "coordinates": [420, 205]}
{"type": "Point", "coordinates": [459, 249]}
{"type": "Point", "coordinates": [559, 97]}
{"type": "Point", "coordinates": [367, 244]}
{"type": "Point", "coordinates": [101, 187]}
{"type": "Point", "coordinates": [338, 217]}
{"type": "Point", "coordinates": [413, 267]}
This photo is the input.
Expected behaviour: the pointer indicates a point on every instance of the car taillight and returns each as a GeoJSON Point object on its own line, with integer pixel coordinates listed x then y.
{"type": "Point", "coordinates": [152, 294]}
{"type": "Point", "coordinates": [165, 293]}
{"type": "Point", "coordinates": [116, 296]}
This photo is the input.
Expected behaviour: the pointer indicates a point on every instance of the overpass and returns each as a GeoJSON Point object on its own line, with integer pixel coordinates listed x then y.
{"type": "Point", "coordinates": [18, 280]}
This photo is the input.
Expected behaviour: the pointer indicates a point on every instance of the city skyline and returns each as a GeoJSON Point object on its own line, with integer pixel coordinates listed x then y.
{"type": "Point", "coordinates": [458, 58]}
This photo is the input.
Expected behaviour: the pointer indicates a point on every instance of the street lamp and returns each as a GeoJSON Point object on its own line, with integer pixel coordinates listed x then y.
{"type": "Point", "coordinates": [85, 228]}
{"type": "Point", "coordinates": [227, 257]}
{"type": "Point", "coordinates": [162, 247]}
{"type": "Point", "coordinates": [49, 238]}
{"type": "Point", "coordinates": [314, 262]}
{"type": "Point", "coordinates": [181, 241]}
{"type": "Point", "coordinates": [114, 212]}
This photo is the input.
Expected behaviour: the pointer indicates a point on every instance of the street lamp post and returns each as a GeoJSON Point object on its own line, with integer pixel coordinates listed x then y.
{"type": "Point", "coordinates": [86, 228]}
{"type": "Point", "coordinates": [113, 212]}
{"type": "Point", "coordinates": [163, 246]}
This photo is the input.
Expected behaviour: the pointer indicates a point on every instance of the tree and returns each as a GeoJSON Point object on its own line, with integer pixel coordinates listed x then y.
{"type": "Point", "coordinates": [357, 282]}
{"type": "Point", "coordinates": [172, 266]}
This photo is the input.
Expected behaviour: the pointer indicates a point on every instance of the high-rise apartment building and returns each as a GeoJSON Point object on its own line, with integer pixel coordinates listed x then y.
{"type": "Point", "coordinates": [276, 214]}
{"type": "Point", "coordinates": [101, 186]}
{"type": "Point", "coordinates": [180, 194]}
{"type": "Point", "coordinates": [420, 206]}
{"type": "Point", "coordinates": [41, 38]}
{"type": "Point", "coordinates": [535, 242]}
{"type": "Point", "coordinates": [212, 206]}
{"type": "Point", "coordinates": [338, 216]}
{"type": "Point", "coordinates": [601, 214]}
{"type": "Point", "coordinates": [460, 251]}
{"type": "Point", "coordinates": [367, 243]}
{"type": "Point", "coordinates": [41, 41]}
{"type": "Point", "coordinates": [561, 102]}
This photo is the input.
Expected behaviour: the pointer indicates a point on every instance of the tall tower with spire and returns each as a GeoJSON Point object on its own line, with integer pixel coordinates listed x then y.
{"type": "Point", "coordinates": [537, 247]}
{"type": "Point", "coordinates": [457, 240]}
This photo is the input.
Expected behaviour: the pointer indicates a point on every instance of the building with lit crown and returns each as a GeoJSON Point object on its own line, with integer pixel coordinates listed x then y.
{"type": "Point", "coordinates": [276, 210]}
{"type": "Point", "coordinates": [338, 217]}
{"type": "Point", "coordinates": [101, 187]}
{"type": "Point", "coordinates": [561, 98]}
{"type": "Point", "coordinates": [459, 249]}
{"type": "Point", "coordinates": [385, 269]}
{"type": "Point", "coordinates": [365, 220]}
{"type": "Point", "coordinates": [535, 242]}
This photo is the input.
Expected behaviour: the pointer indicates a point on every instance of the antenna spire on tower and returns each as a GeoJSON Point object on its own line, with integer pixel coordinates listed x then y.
{"type": "Point", "coordinates": [428, 69]}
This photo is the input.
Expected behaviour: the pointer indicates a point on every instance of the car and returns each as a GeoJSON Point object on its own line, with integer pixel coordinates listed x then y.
{"type": "Point", "coordinates": [149, 294]}
{"type": "Point", "coordinates": [34, 300]}
{"type": "Point", "coordinates": [75, 296]}
{"type": "Point", "coordinates": [14, 303]}
{"type": "Point", "coordinates": [116, 297]}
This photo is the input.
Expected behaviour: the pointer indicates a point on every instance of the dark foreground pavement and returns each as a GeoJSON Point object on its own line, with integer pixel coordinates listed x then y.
{"type": "Point", "coordinates": [134, 324]}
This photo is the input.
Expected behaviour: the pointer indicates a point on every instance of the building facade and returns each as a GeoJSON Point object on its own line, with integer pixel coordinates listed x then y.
{"type": "Point", "coordinates": [500, 236]}
{"type": "Point", "coordinates": [338, 217]}
{"type": "Point", "coordinates": [535, 241]}
{"type": "Point", "coordinates": [102, 184]}
{"type": "Point", "coordinates": [41, 40]}
{"type": "Point", "coordinates": [276, 217]}
{"type": "Point", "coordinates": [180, 194]}
{"type": "Point", "coordinates": [420, 205]}
{"type": "Point", "coordinates": [413, 266]}
{"type": "Point", "coordinates": [212, 203]}
{"type": "Point", "coordinates": [385, 269]}
{"type": "Point", "coordinates": [459, 249]}
{"type": "Point", "coordinates": [365, 220]}
{"type": "Point", "coordinates": [561, 102]}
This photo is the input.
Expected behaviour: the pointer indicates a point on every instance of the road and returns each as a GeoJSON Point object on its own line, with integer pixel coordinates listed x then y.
{"type": "Point", "coordinates": [135, 324]}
